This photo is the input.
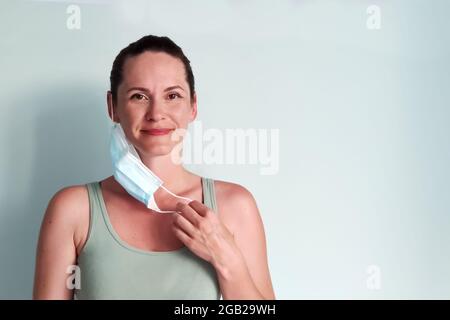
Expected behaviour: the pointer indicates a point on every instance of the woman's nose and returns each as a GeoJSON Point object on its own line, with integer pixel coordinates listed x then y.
{"type": "Point", "coordinates": [155, 111]}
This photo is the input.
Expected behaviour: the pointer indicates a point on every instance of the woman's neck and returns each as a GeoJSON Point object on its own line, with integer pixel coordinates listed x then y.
{"type": "Point", "coordinates": [174, 176]}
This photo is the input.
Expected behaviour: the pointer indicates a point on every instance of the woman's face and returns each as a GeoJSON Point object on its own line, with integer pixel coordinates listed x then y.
{"type": "Point", "coordinates": [153, 94]}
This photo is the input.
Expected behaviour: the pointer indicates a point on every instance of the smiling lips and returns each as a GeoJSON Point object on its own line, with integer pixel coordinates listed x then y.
{"type": "Point", "coordinates": [156, 132]}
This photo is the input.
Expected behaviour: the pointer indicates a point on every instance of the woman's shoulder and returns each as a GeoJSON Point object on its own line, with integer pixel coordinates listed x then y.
{"type": "Point", "coordinates": [69, 203]}
{"type": "Point", "coordinates": [69, 198]}
{"type": "Point", "coordinates": [69, 208]}
{"type": "Point", "coordinates": [233, 200]}
{"type": "Point", "coordinates": [231, 190]}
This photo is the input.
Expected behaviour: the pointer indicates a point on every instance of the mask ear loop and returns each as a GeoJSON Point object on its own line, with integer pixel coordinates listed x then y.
{"type": "Point", "coordinates": [180, 197]}
{"type": "Point", "coordinates": [163, 211]}
{"type": "Point", "coordinates": [152, 200]}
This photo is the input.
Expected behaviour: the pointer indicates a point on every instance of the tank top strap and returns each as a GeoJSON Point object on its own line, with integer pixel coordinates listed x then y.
{"type": "Point", "coordinates": [97, 226]}
{"type": "Point", "coordinates": [209, 194]}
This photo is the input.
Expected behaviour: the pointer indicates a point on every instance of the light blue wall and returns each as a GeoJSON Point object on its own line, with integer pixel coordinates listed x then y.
{"type": "Point", "coordinates": [363, 117]}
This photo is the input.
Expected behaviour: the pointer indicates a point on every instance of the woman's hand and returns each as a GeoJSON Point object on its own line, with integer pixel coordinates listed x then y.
{"type": "Point", "coordinates": [200, 229]}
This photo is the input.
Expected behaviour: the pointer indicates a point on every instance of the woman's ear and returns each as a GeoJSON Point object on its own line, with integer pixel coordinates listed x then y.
{"type": "Point", "coordinates": [193, 108]}
{"type": "Point", "coordinates": [112, 112]}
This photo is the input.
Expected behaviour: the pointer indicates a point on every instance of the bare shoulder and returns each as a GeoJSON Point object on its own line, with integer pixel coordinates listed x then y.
{"type": "Point", "coordinates": [235, 203]}
{"type": "Point", "coordinates": [69, 210]}
{"type": "Point", "coordinates": [68, 203]}
{"type": "Point", "coordinates": [232, 191]}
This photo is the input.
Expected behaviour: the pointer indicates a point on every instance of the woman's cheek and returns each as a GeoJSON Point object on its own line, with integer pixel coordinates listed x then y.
{"type": "Point", "coordinates": [181, 111]}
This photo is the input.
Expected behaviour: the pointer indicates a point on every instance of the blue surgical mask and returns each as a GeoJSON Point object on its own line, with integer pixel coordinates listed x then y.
{"type": "Point", "coordinates": [131, 173]}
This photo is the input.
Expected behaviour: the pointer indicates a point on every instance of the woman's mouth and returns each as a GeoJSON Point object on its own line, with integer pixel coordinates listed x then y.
{"type": "Point", "coordinates": [156, 132]}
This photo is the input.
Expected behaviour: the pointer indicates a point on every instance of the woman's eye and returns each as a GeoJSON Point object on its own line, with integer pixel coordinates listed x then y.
{"type": "Point", "coordinates": [173, 96]}
{"type": "Point", "coordinates": [138, 96]}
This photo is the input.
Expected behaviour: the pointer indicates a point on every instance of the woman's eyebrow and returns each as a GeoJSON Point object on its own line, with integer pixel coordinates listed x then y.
{"type": "Point", "coordinates": [173, 87]}
{"type": "Point", "coordinates": [138, 88]}
{"type": "Point", "coordinates": [146, 90]}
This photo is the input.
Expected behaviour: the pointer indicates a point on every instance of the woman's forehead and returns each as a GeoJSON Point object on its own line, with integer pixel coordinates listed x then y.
{"type": "Point", "coordinates": [153, 68]}
{"type": "Point", "coordinates": [153, 62]}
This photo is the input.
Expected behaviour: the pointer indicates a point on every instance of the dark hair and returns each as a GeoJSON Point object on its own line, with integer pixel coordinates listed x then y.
{"type": "Point", "coordinates": [149, 43]}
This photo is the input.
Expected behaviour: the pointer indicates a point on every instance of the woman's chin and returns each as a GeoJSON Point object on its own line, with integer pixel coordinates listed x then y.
{"type": "Point", "coordinates": [156, 150]}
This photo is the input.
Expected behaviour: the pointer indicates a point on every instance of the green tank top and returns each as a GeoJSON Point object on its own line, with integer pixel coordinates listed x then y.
{"type": "Point", "coordinates": [112, 269]}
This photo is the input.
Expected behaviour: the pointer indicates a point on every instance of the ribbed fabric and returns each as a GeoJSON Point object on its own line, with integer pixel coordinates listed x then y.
{"type": "Point", "coordinates": [112, 269]}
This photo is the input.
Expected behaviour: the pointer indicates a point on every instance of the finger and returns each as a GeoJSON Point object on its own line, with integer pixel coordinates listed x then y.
{"type": "Point", "coordinates": [189, 213]}
{"type": "Point", "coordinates": [184, 237]}
{"type": "Point", "coordinates": [200, 208]}
{"type": "Point", "coordinates": [185, 225]}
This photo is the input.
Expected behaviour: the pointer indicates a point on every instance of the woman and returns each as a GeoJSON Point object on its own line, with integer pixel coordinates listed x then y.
{"type": "Point", "coordinates": [98, 241]}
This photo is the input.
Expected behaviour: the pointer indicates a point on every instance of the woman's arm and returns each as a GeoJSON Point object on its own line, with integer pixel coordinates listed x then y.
{"type": "Point", "coordinates": [56, 250]}
{"type": "Point", "coordinates": [249, 277]}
